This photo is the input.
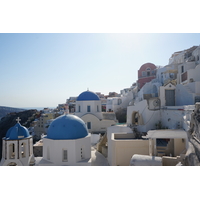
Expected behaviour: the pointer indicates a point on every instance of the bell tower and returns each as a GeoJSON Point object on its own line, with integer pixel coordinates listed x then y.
{"type": "Point", "coordinates": [17, 147]}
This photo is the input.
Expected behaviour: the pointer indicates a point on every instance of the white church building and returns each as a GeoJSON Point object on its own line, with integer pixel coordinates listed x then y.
{"type": "Point", "coordinates": [89, 109]}
{"type": "Point", "coordinates": [67, 143]}
{"type": "Point", "coordinates": [17, 147]}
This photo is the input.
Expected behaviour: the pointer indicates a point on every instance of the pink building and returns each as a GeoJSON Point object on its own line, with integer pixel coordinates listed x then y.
{"type": "Point", "coordinates": [146, 73]}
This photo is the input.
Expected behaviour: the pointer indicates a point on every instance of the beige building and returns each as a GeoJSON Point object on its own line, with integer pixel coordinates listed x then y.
{"type": "Point", "coordinates": [166, 146]}
{"type": "Point", "coordinates": [43, 123]}
{"type": "Point", "coordinates": [124, 146]}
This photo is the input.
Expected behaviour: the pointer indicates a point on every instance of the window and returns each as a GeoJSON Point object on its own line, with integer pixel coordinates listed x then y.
{"type": "Point", "coordinates": [12, 151]}
{"type": "Point", "coordinates": [143, 73]}
{"type": "Point", "coordinates": [148, 71]}
{"type": "Point", "coordinates": [23, 150]}
{"type": "Point", "coordinates": [89, 125]}
{"type": "Point", "coordinates": [97, 108]}
{"type": "Point", "coordinates": [182, 69]}
{"type": "Point", "coordinates": [88, 108]}
{"type": "Point", "coordinates": [119, 101]}
{"type": "Point", "coordinates": [82, 156]}
{"type": "Point", "coordinates": [65, 155]}
{"type": "Point", "coordinates": [79, 108]}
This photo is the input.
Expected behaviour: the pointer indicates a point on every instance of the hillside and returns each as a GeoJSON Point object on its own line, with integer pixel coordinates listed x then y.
{"type": "Point", "coordinates": [5, 110]}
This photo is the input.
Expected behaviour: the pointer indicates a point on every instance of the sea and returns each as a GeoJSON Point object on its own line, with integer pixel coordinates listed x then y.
{"type": "Point", "coordinates": [37, 108]}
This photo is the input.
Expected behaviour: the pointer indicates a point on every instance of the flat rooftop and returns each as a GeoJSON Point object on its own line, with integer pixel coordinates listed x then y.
{"type": "Point", "coordinates": [166, 133]}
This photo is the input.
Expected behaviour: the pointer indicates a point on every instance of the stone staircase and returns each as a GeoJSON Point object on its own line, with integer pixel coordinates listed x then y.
{"type": "Point", "coordinates": [161, 151]}
{"type": "Point", "coordinates": [161, 147]}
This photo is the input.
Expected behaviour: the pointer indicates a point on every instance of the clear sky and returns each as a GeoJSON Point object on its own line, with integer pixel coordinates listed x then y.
{"type": "Point", "coordinates": [45, 69]}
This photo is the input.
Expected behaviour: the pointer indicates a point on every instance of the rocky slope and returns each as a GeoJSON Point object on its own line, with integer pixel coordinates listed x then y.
{"type": "Point", "coordinates": [6, 110]}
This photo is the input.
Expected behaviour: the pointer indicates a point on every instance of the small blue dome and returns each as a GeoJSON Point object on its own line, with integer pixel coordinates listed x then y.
{"type": "Point", "coordinates": [17, 132]}
{"type": "Point", "coordinates": [88, 96]}
{"type": "Point", "coordinates": [67, 127]}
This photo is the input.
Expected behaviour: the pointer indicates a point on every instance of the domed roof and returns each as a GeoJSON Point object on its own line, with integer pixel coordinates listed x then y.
{"type": "Point", "coordinates": [148, 65]}
{"type": "Point", "coordinates": [17, 132]}
{"type": "Point", "coordinates": [67, 127]}
{"type": "Point", "coordinates": [88, 96]}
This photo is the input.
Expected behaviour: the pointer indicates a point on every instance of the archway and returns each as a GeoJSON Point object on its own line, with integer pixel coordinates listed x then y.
{"type": "Point", "coordinates": [155, 91]}
{"type": "Point", "coordinates": [135, 118]}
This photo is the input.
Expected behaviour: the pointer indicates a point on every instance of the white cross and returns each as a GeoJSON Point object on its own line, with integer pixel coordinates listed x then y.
{"type": "Point", "coordinates": [18, 119]}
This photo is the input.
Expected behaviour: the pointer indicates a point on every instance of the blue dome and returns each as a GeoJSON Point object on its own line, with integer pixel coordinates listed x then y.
{"type": "Point", "coordinates": [67, 127]}
{"type": "Point", "coordinates": [88, 96]}
{"type": "Point", "coordinates": [17, 132]}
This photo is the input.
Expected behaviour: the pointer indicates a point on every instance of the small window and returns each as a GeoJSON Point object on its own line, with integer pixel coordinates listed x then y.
{"type": "Point", "coordinates": [88, 108]}
{"type": "Point", "coordinates": [79, 108]}
{"type": "Point", "coordinates": [182, 69]}
{"type": "Point", "coordinates": [23, 150]}
{"type": "Point", "coordinates": [82, 156]}
{"type": "Point", "coordinates": [12, 151]}
{"type": "Point", "coordinates": [65, 158]}
{"type": "Point", "coordinates": [89, 125]}
{"type": "Point", "coordinates": [97, 108]}
{"type": "Point", "coordinates": [119, 101]}
{"type": "Point", "coordinates": [143, 73]}
{"type": "Point", "coordinates": [148, 71]}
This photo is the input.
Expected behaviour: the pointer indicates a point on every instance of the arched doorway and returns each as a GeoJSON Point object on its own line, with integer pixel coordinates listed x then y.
{"type": "Point", "coordinates": [135, 118]}
{"type": "Point", "coordinates": [155, 91]}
